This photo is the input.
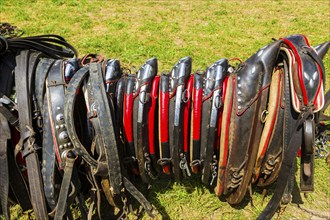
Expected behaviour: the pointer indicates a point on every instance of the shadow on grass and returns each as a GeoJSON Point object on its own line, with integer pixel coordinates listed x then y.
{"type": "Point", "coordinates": [162, 185]}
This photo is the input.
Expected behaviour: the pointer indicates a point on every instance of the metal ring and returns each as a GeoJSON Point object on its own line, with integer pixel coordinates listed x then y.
{"type": "Point", "coordinates": [145, 97]}
{"type": "Point", "coordinates": [217, 101]}
{"type": "Point", "coordinates": [185, 96]}
{"type": "Point", "coordinates": [264, 115]}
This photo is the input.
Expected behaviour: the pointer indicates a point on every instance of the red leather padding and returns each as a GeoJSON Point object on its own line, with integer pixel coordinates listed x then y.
{"type": "Point", "coordinates": [197, 112]}
{"type": "Point", "coordinates": [163, 116]}
{"type": "Point", "coordinates": [152, 114]}
{"type": "Point", "coordinates": [128, 117]}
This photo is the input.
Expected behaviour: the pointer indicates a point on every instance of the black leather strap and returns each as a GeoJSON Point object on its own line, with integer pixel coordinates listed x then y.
{"type": "Point", "coordinates": [17, 181]}
{"type": "Point", "coordinates": [289, 158]}
{"type": "Point", "coordinates": [40, 79]}
{"type": "Point", "coordinates": [30, 147]}
{"type": "Point", "coordinates": [8, 109]}
{"type": "Point", "coordinates": [62, 203]}
{"type": "Point", "coordinates": [4, 172]}
{"type": "Point", "coordinates": [53, 46]}
{"type": "Point", "coordinates": [49, 168]}
{"type": "Point", "coordinates": [55, 98]}
{"type": "Point", "coordinates": [102, 111]}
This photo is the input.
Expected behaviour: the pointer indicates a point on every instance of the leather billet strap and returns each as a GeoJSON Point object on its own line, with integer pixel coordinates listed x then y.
{"type": "Point", "coordinates": [4, 171]}
{"type": "Point", "coordinates": [53, 46]}
{"type": "Point", "coordinates": [23, 72]}
{"type": "Point", "coordinates": [62, 202]}
{"type": "Point", "coordinates": [178, 78]}
{"type": "Point", "coordinates": [246, 126]}
{"type": "Point", "coordinates": [49, 169]}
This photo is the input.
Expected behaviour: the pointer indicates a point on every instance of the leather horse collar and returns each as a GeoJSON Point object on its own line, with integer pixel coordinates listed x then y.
{"type": "Point", "coordinates": [207, 104]}
{"type": "Point", "coordinates": [172, 98]}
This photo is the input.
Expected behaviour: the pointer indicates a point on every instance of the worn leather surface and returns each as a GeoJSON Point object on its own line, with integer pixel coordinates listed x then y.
{"type": "Point", "coordinates": [23, 72]}
{"type": "Point", "coordinates": [4, 172]}
{"type": "Point", "coordinates": [250, 98]}
{"type": "Point", "coordinates": [177, 82]}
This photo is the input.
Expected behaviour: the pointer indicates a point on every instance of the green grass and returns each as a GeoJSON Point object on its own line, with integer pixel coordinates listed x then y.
{"type": "Point", "coordinates": [134, 31]}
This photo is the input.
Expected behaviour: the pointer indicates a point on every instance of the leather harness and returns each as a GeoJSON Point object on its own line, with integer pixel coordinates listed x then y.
{"type": "Point", "coordinates": [100, 129]}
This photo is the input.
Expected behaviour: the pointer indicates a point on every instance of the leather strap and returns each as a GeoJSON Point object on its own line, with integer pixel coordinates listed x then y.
{"type": "Point", "coordinates": [61, 206]}
{"type": "Point", "coordinates": [139, 197]}
{"type": "Point", "coordinates": [40, 79]}
{"type": "Point", "coordinates": [289, 158]}
{"type": "Point", "coordinates": [53, 46]}
{"type": "Point", "coordinates": [103, 114]}
{"type": "Point", "coordinates": [17, 181]}
{"type": "Point", "coordinates": [22, 71]}
{"type": "Point", "coordinates": [307, 157]}
{"type": "Point", "coordinates": [55, 93]}
{"type": "Point", "coordinates": [49, 168]}
{"type": "Point", "coordinates": [4, 172]}
{"type": "Point", "coordinates": [8, 109]}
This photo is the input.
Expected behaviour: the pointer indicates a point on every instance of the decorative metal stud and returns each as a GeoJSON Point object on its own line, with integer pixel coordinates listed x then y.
{"type": "Point", "coordinates": [59, 117]}
{"type": "Point", "coordinates": [63, 135]}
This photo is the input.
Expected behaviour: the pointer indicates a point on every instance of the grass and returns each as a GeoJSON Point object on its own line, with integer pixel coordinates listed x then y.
{"type": "Point", "coordinates": [134, 31]}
